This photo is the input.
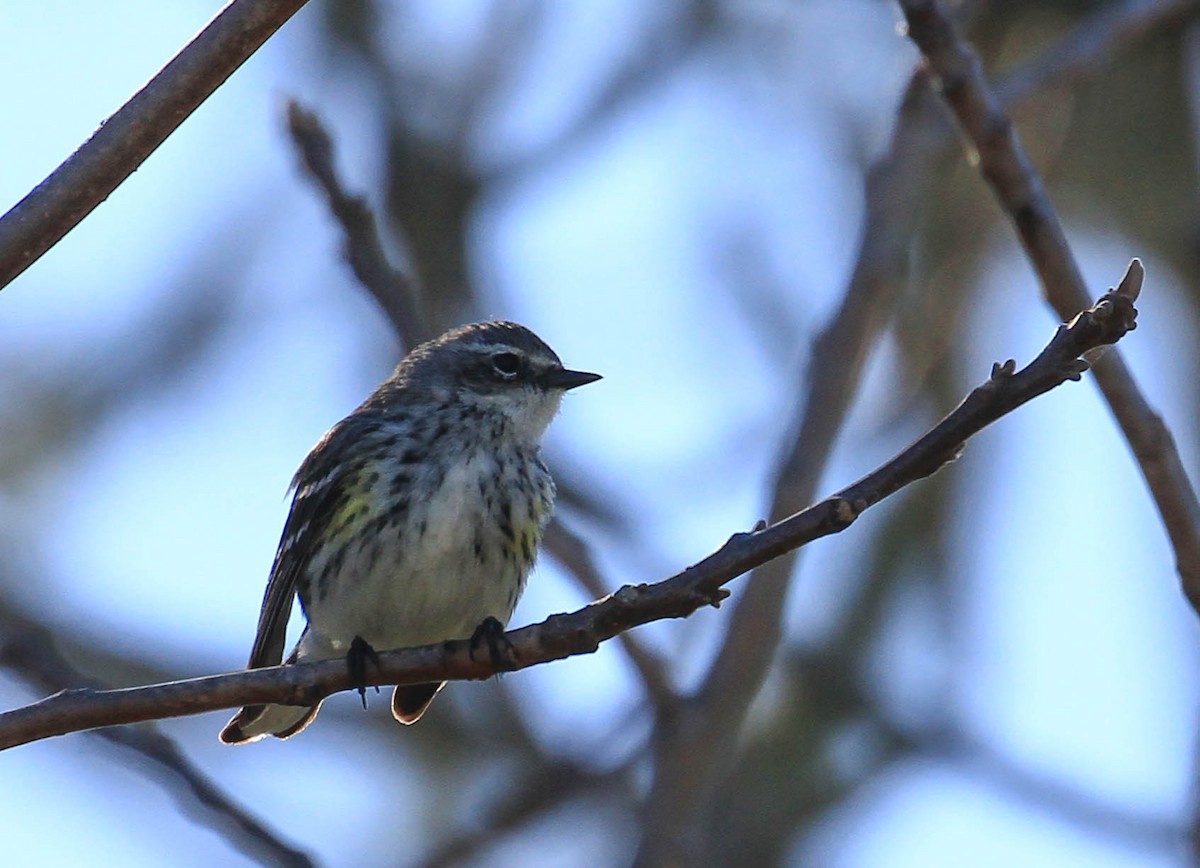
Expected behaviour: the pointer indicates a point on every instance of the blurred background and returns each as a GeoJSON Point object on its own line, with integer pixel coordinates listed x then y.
{"type": "Point", "coordinates": [994, 667]}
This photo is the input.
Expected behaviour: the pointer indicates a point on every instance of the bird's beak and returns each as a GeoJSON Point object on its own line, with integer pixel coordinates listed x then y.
{"type": "Point", "coordinates": [564, 379]}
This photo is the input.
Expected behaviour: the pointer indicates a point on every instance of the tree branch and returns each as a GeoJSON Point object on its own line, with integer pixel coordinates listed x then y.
{"type": "Point", "coordinates": [1091, 45]}
{"type": "Point", "coordinates": [1005, 166]}
{"type": "Point", "coordinates": [128, 137]}
{"type": "Point", "coordinates": [391, 288]}
{"type": "Point", "coordinates": [582, 631]}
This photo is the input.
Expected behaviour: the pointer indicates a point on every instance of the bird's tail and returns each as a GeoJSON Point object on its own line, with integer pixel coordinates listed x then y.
{"type": "Point", "coordinates": [409, 701]}
{"type": "Point", "coordinates": [282, 721]}
{"type": "Point", "coordinates": [257, 721]}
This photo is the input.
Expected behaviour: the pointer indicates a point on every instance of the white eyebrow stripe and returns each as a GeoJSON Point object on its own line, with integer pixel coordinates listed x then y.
{"type": "Point", "coordinates": [490, 347]}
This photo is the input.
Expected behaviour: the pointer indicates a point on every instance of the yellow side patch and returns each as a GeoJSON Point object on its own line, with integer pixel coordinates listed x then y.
{"type": "Point", "coordinates": [350, 517]}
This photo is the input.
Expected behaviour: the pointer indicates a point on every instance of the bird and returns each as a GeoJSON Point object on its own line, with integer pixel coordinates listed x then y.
{"type": "Point", "coordinates": [415, 519]}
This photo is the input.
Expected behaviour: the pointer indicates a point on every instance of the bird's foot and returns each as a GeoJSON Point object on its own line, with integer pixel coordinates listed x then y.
{"type": "Point", "coordinates": [490, 634]}
{"type": "Point", "coordinates": [357, 657]}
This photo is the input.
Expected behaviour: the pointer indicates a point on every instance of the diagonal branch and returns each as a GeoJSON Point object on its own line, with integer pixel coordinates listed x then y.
{"type": "Point", "coordinates": [125, 140]}
{"type": "Point", "coordinates": [363, 248]}
{"type": "Point", "coordinates": [1005, 166]}
{"type": "Point", "coordinates": [581, 632]}
{"type": "Point", "coordinates": [1090, 46]}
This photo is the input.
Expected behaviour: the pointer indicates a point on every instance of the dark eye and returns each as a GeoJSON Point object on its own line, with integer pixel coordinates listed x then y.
{"type": "Point", "coordinates": [506, 364]}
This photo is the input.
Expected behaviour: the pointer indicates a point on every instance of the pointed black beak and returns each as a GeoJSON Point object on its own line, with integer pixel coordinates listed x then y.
{"type": "Point", "coordinates": [564, 379]}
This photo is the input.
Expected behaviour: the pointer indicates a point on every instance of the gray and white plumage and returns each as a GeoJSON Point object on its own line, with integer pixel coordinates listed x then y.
{"type": "Point", "coordinates": [418, 516]}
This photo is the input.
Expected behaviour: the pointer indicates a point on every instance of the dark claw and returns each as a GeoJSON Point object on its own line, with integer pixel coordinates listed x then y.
{"type": "Point", "coordinates": [490, 633]}
{"type": "Point", "coordinates": [356, 659]}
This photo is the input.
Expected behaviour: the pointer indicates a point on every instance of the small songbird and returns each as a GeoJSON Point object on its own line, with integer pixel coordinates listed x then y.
{"type": "Point", "coordinates": [415, 519]}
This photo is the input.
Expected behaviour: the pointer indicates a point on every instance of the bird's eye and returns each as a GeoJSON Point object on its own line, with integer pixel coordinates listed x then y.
{"type": "Point", "coordinates": [506, 364]}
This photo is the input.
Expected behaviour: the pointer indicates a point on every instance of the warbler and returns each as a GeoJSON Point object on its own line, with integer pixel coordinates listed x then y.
{"type": "Point", "coordinates": [415, 519]}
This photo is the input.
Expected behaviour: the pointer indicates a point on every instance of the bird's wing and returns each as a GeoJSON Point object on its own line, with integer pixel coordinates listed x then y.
{"type": "Point", "coordinates": [313, 503]}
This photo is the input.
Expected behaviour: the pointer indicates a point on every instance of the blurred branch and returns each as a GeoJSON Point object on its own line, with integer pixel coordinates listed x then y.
{"type": "Point", "coordinates": [433, 175]}
{"type": "Point", "coordinates": [1007, 169]}
{"type": "Point", "coordinates": [948, 740]}
{"type": "Point", "coordinates": [535, 781]}
{"type": "Point", "coordinates": [1128, 827]}
{"type": "Point", "coordinates": [707, 725]}
{"type": "Point", "coordinates": [1090, 46]}
{"type": "Point", "coordinates": [128, 137]}
{"type": "Point", "coordinates": [361, 244]}
{"type": "Point", "coordinates": [646, 64]}
{"type": "Point", "coordinates": [581, 632]}
{"type": "Point", "coordinates": [29, 652]}
{"type": "Point", "coordinates": [507, 41]}
{"type": "Point", "coordinates": [545, 789]}
{"type": "Point", "coordinates": [574, 554]}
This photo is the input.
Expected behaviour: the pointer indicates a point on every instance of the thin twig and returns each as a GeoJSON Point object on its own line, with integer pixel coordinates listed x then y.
{"type": "Point", "coordinates": [1003, 163]}
{"type": "Point", "coordinates": [391, 288]}
{"type": "Point", "coordinates": [1090, 46]}
{"type": "Point", "coordinates": [125, 140]}
{"type": "Point", "coordinates": [581, 632]}
{"type": "Point", "coordinates": [540, 791]}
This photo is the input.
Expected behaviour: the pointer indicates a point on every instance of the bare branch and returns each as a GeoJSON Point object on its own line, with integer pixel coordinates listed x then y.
{"type": "Point", "coordinates": [581, 632]}
{"type": "Point", "coordinates": [128, 137]}
{"type": "Point", "coordinates": [1007, 169]}
{"type": "Point", "coordinates": [362, 246]}
{"type": "Point", "coordinates": [1091, 45]}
